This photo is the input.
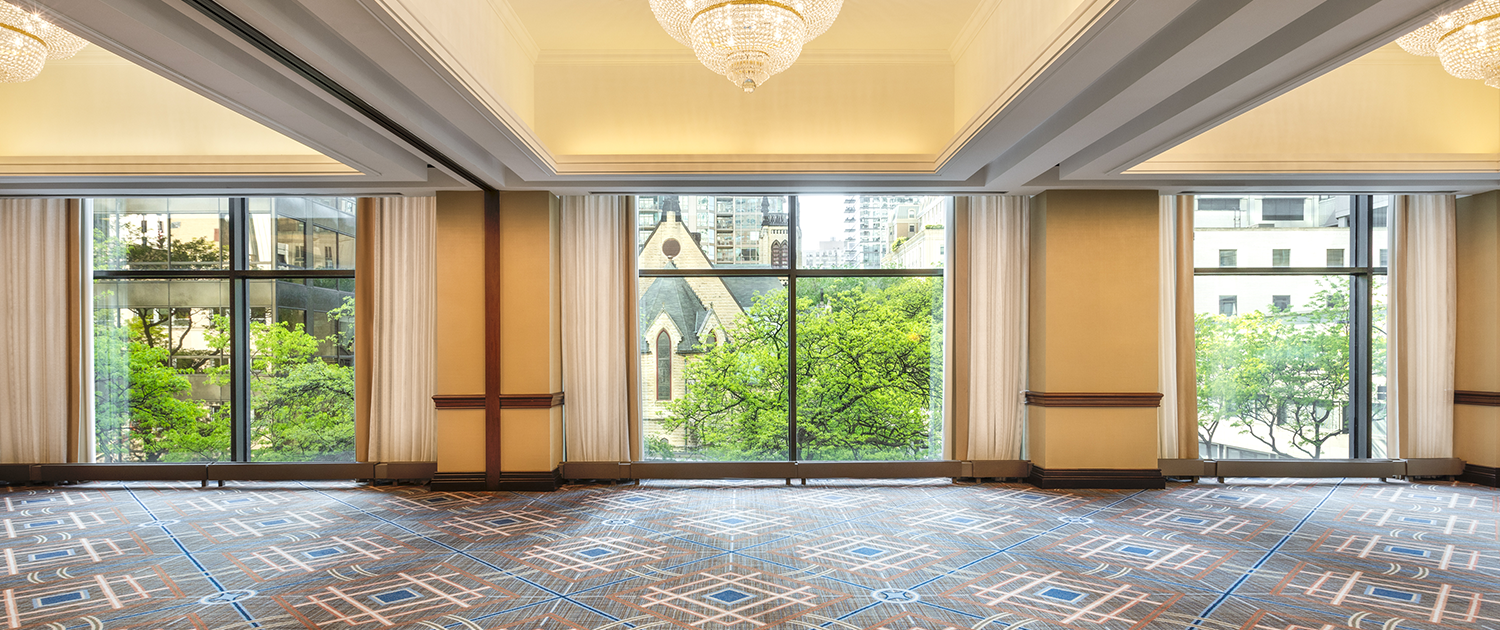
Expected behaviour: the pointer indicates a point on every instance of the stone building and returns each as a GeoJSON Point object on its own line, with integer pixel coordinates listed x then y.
{"type": "Point", "coordinates": [681, 318]}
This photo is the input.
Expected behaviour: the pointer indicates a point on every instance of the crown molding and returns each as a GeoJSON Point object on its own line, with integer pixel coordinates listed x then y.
{"type": "Point", "coordinates": [1321, 164]}
{"type": "Point", "coordinates": [516, 27]}
{"type": "Point", "coordinates": [1072, 30]}
{"type": "Point", "coordinates": [745, 164]}
{"type": "Point", "coordinates": [173, 165]}
{"type": "Point", "coordinates": [683, 56]}
{"type": "Point", "coordinates": [966, 35]}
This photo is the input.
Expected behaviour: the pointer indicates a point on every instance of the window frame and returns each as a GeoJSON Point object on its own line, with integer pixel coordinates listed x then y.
{"type": "Point", "coordinates": [238, 273]}
{"type": "Point", "coordinates": [1361, 269]}
{"type": "Point", "coordinates": [792, 272]}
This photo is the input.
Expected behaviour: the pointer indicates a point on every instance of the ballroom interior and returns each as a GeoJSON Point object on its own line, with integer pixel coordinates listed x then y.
{"type": "Point", "coordinates": [950, 315]}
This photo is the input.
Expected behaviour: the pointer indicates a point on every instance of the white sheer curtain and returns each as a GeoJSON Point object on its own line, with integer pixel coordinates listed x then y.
{"type": "Point", "coordinates": [594, 332]}
{"type": "Point", "coordinates": [1168, 426]}
{"type": "Point", "coordinates": [1423, 310]}
{"type": "Point", "coordinates": [395, 315]}
{"type": "Point", "coordinates": [998, 266]}
{"type": "Point", "coordinates": [39, 324]}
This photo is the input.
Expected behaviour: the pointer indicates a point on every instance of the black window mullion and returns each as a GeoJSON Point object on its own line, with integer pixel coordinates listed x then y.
{"type": "Point", "coordinates": [239, 335]}
{"type": "Point", "coordinates": [791, 336]}
{"type": "Point", "coordinates": [1361, 219]}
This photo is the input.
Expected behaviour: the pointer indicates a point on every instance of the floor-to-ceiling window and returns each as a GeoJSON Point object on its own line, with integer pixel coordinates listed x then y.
{"type": "Point", "coordinates": [223, 329]}
{"type": "Point", "coordinates": [791, 328]}
{"type": "Point", "coordinates": [1289, 296]}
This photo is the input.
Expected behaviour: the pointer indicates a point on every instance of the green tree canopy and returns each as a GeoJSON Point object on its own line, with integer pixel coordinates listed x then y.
{"type": "Point", "coordinates": [869, 380]}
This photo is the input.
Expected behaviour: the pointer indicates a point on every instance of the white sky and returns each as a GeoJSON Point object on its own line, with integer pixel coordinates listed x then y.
{"type": "Point", "coordinates": [822, 219]}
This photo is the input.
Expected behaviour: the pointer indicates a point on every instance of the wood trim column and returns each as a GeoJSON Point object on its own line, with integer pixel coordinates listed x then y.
{"type": "Point", "coordinates": [492, 437]}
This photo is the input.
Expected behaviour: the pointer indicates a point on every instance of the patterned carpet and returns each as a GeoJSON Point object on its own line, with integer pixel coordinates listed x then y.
{"type": "Point", "coordinates": [1254, 554]}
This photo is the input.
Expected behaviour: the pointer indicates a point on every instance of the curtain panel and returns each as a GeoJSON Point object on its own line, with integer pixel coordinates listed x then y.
{"type": "Point", "coordinates": [45, 391]}
{"type": "Point", "coordinates": [1423, 323]}
{"type": "Point", "coordinates": [395, 331]}
{"type": "Point", "coordinates": [1177, 369]}
{"type": "Point", "coordinates": [999, 260]}
{"type": "Point", "coordinates": [594, 335]}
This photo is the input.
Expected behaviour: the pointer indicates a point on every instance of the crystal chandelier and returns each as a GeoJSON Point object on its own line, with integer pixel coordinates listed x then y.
{"type": "Point", "coordinates": [747, 41]}
{"type": "Point", "coordinates": [1467, 41]}
{"type": "Point", "coordinates": [28, 41]}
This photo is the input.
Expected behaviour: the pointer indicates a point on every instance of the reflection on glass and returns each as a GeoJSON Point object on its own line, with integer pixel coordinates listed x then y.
{"type": "Point", "coordinates": [870, 369]}
{"type": "Point", "coordinates": [1261, 231]}
{"type": "Point", "coordinates": [161, 380]}
{"type": "Point", "coordinates": [706, 232]}
{"type": "Point", "coordinates": [1379, 385]}
{"type": "Point", "coordinates": [302, 233]}
{"type": "Point", "coordinates": [872, 231]}
{"type": "Point", "coordinates": [722, 343]}
{"type": "Point", "coordinates": [1273, 382]}
{"type": "Point", "coordinates": [302, 371]}
{"type": "Point", "coordinates": [161, 233]}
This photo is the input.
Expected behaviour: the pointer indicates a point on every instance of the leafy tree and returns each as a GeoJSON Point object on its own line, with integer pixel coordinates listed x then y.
{"type": "Point", "coordinates": [145, 372]}
{"type": "Point", "coordinates": [1280, 376]}
{"type": "Point", "coordinates": [302, 407]}
{"type": "Point", "coordinates": [866, 386]}
{"type": "Point", "coordinates": [141, 408]}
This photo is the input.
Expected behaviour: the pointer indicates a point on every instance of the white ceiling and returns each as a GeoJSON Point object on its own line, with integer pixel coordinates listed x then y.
{"type": "Point", "coordinates": [1137, 78]}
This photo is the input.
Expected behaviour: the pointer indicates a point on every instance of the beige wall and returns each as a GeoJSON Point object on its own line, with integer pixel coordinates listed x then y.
{"type": "Point", "coordinates": [460, 328]}
{"type": "Point", "coordinates": [673, 105]}
{"type": "Point", "coordinates": [1388, 111]}
{"type": "Point", "coordinates": [1476, 430]}
{"type": "Point", "coordinates": [1093, 326]}
{"type": "Point", "coordinates": [530, 328]}
{"type": "Point", "coordinates": [530, 331]}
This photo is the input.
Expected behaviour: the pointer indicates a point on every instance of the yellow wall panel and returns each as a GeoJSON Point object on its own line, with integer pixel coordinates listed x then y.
{"type": "Point", "coordinates": [460, 440]}
{"type": "Point", "coordinates": [460, 293]}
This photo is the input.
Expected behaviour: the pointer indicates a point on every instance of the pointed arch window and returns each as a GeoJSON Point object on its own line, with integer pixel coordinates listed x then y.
{"type": "Point", "coordinates": [663, 366]}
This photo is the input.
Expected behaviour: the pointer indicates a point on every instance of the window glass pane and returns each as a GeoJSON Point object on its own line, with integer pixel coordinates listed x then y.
{"type": "Point", "coordinates": [1273, 382]}
{"type": "Point", "coordinates": [872, 231]}
{"type": "Point", "coordinates": [161, 375]}
{"type": "Point", "coordinates": [726, 354]}
{"type": "Point", "coordinates": [160, 233]}
{"type": "Point", "coordinates": [1254, 228]}
{"type": "Point", "coordinates": [302, 371]}
{"type": "Point", "coordinates": [870, 368]}
{"type": "Point", "coordinates": [1379, 385]}
{"type": "Point", "coordinates": [1380, 236]}
{"type": "Point", "coordinates": [301, 233]}
{"type": "Point", "coordinates": [707, 232]}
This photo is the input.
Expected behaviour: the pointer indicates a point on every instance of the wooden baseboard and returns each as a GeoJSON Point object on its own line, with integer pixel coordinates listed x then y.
{"type": "Point", "coordinates": [456, 481]}
{"type": "Point", "coordinates": [1100, 478]}
{"type": "Point", "coordinates": [1481, 475]}
{"type": "Point", "coordinates": [531, 481]}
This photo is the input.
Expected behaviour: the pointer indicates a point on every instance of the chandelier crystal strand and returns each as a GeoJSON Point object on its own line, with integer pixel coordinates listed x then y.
{"type": "Point", "coordinates": [746, 41]}
{"type": "Point", "coordinates": [1466, 41]}
{"type": "Point", "coordinates": [22, 54]}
